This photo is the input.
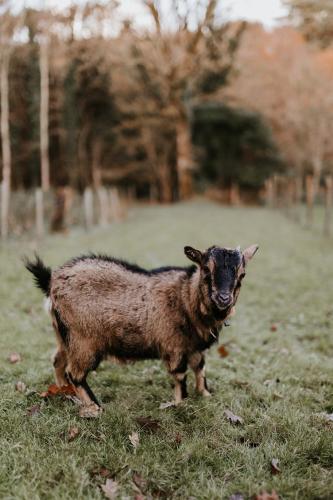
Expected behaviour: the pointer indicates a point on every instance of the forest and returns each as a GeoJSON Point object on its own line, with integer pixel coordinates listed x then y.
{"type": "Point", "coordinates": [193, 103]}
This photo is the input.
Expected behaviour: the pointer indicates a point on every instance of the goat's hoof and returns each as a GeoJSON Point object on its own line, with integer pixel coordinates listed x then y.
{"type": "Point", "coordinates": [90, 411]}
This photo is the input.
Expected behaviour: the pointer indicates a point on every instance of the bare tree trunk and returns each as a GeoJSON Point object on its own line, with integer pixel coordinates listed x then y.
{"type": "Point", "coordinates": [5, 143]}
{"type": "Point", "coordinates": [309, 192]}
{"type": "Point", "coordinates": [328, 204]}
{"type": "Point", "coordinates": [184, 160]}
{"type": "Point", "coordinates": [44, 116]}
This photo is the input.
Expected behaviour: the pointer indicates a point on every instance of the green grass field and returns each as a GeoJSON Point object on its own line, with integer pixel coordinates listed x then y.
{"type": "Point", "coordinates": [280, 382]}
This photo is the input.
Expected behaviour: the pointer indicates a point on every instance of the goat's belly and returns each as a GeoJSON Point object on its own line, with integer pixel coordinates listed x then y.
{"type": "Point", "coordinates": [126, 352]}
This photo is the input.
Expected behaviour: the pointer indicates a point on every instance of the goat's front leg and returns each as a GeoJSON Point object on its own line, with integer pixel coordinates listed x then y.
{"type": "Point", "coordinates": [177, 368]}
{"type": "Point", "coordinates": [197, 363]}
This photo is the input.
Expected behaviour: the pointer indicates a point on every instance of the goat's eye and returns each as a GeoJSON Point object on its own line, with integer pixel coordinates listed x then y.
{"type": "Point", "coordinates": [241, 276]}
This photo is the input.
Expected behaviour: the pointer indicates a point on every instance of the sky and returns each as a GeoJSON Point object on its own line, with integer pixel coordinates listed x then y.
{"type": "Point", "coordinates": [266, 11]}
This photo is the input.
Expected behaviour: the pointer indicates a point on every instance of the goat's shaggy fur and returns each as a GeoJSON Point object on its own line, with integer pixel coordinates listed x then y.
{"type": "Point", "coordinates": [102, 307]}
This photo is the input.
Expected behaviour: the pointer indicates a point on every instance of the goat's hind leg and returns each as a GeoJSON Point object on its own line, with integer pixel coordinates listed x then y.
{"type": "Point", "coordinates": [60, 364]}
{"type": "Point", "coordinates": [77, 372]}
{"type": "Point", "coordinates": [178, 370]}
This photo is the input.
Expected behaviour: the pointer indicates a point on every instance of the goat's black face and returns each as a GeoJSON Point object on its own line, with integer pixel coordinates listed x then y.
{"type": "Point", "coordinates": [222, 271]}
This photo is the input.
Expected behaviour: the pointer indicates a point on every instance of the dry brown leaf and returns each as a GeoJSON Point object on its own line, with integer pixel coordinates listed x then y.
{"type": "Point", "coordinates": [178, 438]}
{"type": "Point", "coordinates": [273, 327]}
{"type": "Point", "coordinates": [110, 488]}
{"type": "Point", "coordinates": [234, 419]}
{"type": "Point", "coordinates": [54, 390]}
{"type": "Point", "coordinates": [33, 411]}
{"type": "Point", "coordinates": [148, 424]}
{"type": "Point", "coordinates": [20, 386]}
{"type": "Point", "coordinates": [73, 432]}
{"type": "Point", "coordinates": [134, 439]}
{"type": "Point", "coordinates": [275, 468]}
{"type": "Point", "coordinates": [14, 357]}
{"type": "Point", "coordinates": [264, 495]}
{"type": "Point", "coordinates": [223, 351]}
{"type": "Point", "coordinates": [139, 481]}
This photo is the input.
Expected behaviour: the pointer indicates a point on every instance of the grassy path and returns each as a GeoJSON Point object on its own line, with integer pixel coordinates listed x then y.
{"type": "Point", "coordinates": [277, 381]}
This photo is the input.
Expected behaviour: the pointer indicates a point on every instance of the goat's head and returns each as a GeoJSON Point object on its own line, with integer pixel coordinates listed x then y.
{"type": "Point", "coordinates": [221, 272]}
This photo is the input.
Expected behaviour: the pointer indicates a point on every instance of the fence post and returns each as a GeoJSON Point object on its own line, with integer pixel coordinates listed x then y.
{"type": "Point", "coordinates": [39, 213]}
{"type": "Point", "coordinates": [5, 191]}
{"type": "Point", "coordinates": [115, 204]}
{"type": "Point", "coordinates": [103, 206]}
{"type": "Point", "coordinates": [309, 188]}
{"type": "Point", "coordinates": [88, 202]}
{"type": "Point", "coordinates": [328, 204]}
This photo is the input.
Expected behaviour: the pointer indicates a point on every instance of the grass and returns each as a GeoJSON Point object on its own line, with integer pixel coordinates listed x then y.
{"type": "Point", "coordinates": [278, 382]}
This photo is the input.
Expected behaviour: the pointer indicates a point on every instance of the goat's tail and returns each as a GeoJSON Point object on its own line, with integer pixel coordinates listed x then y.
{"type": "Point", "coordinates": [42, 274]}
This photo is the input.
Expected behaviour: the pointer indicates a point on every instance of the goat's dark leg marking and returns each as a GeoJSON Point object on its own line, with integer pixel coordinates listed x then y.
{"type": "Point", "coordinates": [197, 363]}
{"type": "Point", "coordinates": [179, 376]}
{"type": "Point", "coordinates": [83, 391]}
{"type": "Point", "coordinates": [60, 364]}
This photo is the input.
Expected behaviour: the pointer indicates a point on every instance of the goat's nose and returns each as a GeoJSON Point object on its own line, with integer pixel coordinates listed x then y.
{"type": "Point", "coordinates": [224, 297]}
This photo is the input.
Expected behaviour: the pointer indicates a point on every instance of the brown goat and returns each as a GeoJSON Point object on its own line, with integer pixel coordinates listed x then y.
{"type": "Point", "coordinates": [102, 307]}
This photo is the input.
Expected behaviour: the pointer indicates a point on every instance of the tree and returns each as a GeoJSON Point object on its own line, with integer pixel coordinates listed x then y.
{"type": "Point", "coordinates": [9, 25]}
{"type": "Point", "coordinates": [181, 61]}
{"type": "Point", "coordinates": [294, 95]}
{"type": "Point", "coordinates": [314, 18]}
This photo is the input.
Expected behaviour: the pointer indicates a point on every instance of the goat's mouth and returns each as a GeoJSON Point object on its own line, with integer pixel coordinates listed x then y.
{"type": "Point", "coordinates": [222, 305]}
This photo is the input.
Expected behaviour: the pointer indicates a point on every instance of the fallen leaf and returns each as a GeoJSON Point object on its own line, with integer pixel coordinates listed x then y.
{"type": "Point", "coordinates": [275, 469]}
{"type": "Point", "coordinates": [148, 424]}
{"type": "Point", "coordinates": [135, 439]}
{"type": "Point", "coordinates": [55, 390]}
{"type": "Point", "coordinates": [264, 495]}
{"type": "Point", "coordinates": [14, 357]}
{"type": "Point", "coordinates": [273, 327]}
{"type": "Point", "coordinates": [33, 410]}
{"type": "Point", "coordinates": [234, 419]}
{"type": "Point", "coordinates": [20, 386]}
{"type": "Point", "coordinates": [178, 438]}
{"type": "Point", "coordinates": [168, 404]}
{"type": "Point", "coordinates": [223, 352]}
{"type": "Point", "coordinates": [110, 488]}
{"type": "Point", "coordinates": [104, 472]}
{"type": "Point", "coordinates": [139, 481]}
{"type": "Point", "coordinates": [101, 471]}
{"type": "Point", "coordinates": [73, 432]}
{"type": "Point", "coordinates": [236, 496]}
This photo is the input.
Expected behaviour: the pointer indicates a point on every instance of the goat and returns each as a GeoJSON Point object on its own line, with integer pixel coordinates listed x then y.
{"type": "Point", "coordinates": [102, 307]}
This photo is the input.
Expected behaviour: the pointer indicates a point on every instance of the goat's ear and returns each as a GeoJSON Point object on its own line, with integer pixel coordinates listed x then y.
{"type": "Point", "coordinates": [249, 252]}
{"type": "Point", "coordinates": [193, 254]}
